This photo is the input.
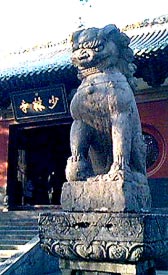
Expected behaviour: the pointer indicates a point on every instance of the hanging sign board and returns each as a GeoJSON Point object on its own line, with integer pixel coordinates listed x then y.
{"type": "Point", "coordinates": [40, 103]}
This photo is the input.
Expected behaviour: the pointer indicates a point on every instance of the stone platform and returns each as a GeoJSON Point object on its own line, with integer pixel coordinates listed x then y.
{"type": "Point", "coordinates": [105, 227]}
{"type": "Point", "coordinates": [105, 237]}
{"type": "Point", "coordinates": [107, 195]}
{"type": "Point", "coordinates": [68, 267]}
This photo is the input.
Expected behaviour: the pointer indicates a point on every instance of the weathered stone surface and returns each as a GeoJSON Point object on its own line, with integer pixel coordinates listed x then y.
{"type": "Point", "coordinates": [106, 198]}
{"type": "Point", "coordinates": [103, 237]}
{"type": "Point", "coordinates": [106, 268]}
{"type": "Point", "coordinates": [106, 124]}
{"type": "Point", "coordinates": [108, 159]}
{"type": "Point", "coordinates": [109, 196]}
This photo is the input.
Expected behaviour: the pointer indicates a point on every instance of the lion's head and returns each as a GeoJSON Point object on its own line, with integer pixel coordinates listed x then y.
{"type": "Point", "coordinates": [103, 48]}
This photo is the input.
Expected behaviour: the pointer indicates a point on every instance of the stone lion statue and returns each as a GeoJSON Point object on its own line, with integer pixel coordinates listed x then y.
{"type": "Point", "coordinates": [106, 136]}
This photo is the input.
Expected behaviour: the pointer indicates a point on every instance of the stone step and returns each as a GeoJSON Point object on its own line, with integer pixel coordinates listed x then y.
{"type": "Point", "coordinates": [17, 228]}
{"type": "Point", "coordinates": [18, 219]}
{"type": "Point", "coordinates": [14, 241]}
{"type": "Point", "coordinates": [15, 221]}
{"type": "Point", "coordinates": [18, 213]}
{"type": "Point", "coordinates": [21, 227]}
{"type": "Point", "coordinates": [16, 237]}
{"type": "Point", "coordinates": [17, 216]}
{"type": "Point", "coordinates": [21, 232]}
{"type": "Point", "coordinates": [11, 247]}
{"type": "Point", "coordinates": [4, 254]}
{"type": "Point", "coordinates": [3, 260]}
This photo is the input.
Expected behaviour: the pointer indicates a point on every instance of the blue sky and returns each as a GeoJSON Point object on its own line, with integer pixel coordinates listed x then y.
{"type": "Point", "coordinates": [28, 22]}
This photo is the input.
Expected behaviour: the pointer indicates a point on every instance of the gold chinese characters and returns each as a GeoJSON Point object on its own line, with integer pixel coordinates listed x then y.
{"type": "Point", "coordinates": [37, 104]}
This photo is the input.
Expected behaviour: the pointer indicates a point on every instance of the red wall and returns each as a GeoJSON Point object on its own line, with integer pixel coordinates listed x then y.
{"type": "Point", "coordinates": [4, 136]}
{"type": "Point", "coordinates": [154, 118]}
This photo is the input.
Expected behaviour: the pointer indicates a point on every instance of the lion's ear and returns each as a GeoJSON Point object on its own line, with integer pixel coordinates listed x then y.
{"type": "Point", "coordinates": [107, 30]}
{"type": "Point", "coordinates": [75, 36]}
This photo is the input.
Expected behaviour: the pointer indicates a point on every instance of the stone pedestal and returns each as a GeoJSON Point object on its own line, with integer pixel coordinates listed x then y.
{"type": "Point", "coordinates": [106, 195]}
{"type": "Point", "coordinates": [68, 267]}
{"type": "Point", "coordinates": [118, 238]}
{"type": "Point", "coordinates": [105, 228]}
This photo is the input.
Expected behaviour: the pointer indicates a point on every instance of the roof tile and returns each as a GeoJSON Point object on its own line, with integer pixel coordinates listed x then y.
{"type": "Point", "coordinates": [52, 61]}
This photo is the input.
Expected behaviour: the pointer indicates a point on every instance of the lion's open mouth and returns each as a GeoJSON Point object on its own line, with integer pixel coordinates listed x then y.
{"type": "Point", "coordinates": [84, 56]}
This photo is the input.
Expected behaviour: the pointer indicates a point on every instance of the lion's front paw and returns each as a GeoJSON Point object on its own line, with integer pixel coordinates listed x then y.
{"type": "Point", "coordinates": [118, 172]}
{"type": "Point", "coordinates": [78, 169]}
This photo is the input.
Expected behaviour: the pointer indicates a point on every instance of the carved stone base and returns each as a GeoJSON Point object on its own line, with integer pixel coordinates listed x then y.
{"type": "Point", "coordinates": [106, 268]}
{"type": "Point", "coordinates": [105, 196]}
{"type": "Point", "coordinates": [105, 237]}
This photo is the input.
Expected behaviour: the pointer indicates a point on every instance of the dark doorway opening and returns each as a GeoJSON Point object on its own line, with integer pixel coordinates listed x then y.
{"type": "Point", "coordinates": [37, 161]}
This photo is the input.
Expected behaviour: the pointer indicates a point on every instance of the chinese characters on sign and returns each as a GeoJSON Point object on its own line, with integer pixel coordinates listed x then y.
{"type": "Point", "coordinates": [37, 104]}
{"type": "Point", "coordinates": [53, 101]}
{"type": "Point", "coordinates": [34, 104]}
{"type": "Point", "coordinates": [24, 106]}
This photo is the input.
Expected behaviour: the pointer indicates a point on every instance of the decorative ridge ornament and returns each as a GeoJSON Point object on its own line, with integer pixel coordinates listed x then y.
{"type": "Point", "coordinates": [160, 20]}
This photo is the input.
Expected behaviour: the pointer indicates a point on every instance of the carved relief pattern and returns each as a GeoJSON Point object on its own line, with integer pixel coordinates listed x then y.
{"type": "Point", "coordinates": [100, 250]}
{"type": "Point", "coordinates": [53, 225]}
{"type": "Point", "coordinates": [124, 227]}
{"type": "Point", "coordinates": [103, 236]}
{"type": "Point", "coordinates": [61, 224]}
{"type": "Point", "coordinates": [116, 251]}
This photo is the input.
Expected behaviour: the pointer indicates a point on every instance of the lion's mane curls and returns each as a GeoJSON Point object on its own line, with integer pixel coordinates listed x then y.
{"type": "Point", "coordinates": [125, 60]}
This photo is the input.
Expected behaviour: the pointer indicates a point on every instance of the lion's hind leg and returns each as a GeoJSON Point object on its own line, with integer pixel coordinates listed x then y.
{"type": "Point", "coordinates": [138, 154]}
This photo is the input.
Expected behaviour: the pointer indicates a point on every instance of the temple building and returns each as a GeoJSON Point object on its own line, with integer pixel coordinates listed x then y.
{"type": "Point", "coordinates": [36, 87]}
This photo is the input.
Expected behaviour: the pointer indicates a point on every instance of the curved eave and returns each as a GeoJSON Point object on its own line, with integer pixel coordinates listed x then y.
{"type": "Point", "coordinates": [34, 62]}
{"type": "Point", "coordinates": [148, 42]}
{"type": "Point", "coordinates": [37, 68]}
